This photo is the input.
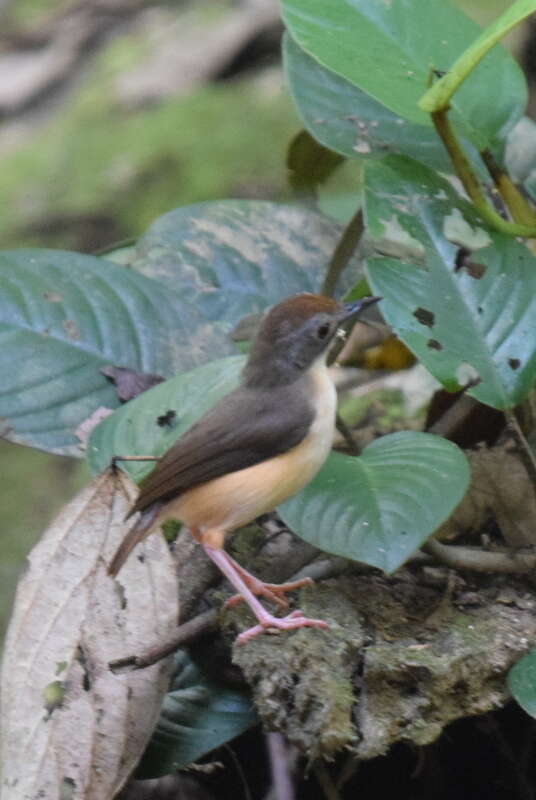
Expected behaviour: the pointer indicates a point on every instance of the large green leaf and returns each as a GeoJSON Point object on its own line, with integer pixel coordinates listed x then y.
{"type": "Point", "coordinates": [471, 323]}
{"type": "Point", "coordinates": [145, 426]}
{"type": "Point", "coordinates": [389, 48]}
{"type": "Point", "coordinates": [348, 120]}
{"type": "Point", "coordinates": [522, 682]}
{"type": "Point", "coordinates": [65, 315]}
{"type": "Point", "coordinates": [379, 508]}
{"type": "Point", "coordinates": [236, 257]}
{"type": "Point", "coordinates": [197, 716]}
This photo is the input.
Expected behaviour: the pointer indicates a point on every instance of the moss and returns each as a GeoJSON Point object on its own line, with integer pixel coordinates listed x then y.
{"type": "Point", "coordinates": [132, 167]}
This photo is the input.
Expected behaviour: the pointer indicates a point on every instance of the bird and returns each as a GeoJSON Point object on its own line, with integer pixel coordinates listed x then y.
{"type": "Point", "coordinates": [259, 445]}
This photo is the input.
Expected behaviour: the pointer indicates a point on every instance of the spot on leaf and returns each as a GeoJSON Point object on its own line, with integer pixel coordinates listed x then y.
{"type": "Point", "coordinates": [473, 268]}
{"type": "Point", "coordinates": [53, 695]}
{"type": "Point", "coordinates": [71, 329]}
{"type": "Point", "coordinates": [433, 344]}
{"type": "Point", "coordinates": [459, 232]}
{"type": "Point", "coordinates": [467, 375]}
{"type": "Point", "coordinates": [53, 297]}
{"type": "Point", "coordinates": [424, 316]}
{"type": "Point", "coordinates": [167, 419]}
{"type": "Point", "coordinates": [514, 363]}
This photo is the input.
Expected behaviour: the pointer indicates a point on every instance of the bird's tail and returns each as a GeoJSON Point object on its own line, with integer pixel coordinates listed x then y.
{"type": "Point", "coordinates": [141, 528]}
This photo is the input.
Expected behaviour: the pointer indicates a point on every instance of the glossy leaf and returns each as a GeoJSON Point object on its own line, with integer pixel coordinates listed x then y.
{"type": "Point", "coordinates": [236, 257]}
{"type": "Point", "coordinates": [197, 716]}
{"type": "Point", "coordinates": [467, 322]}
{"type": "Point", "coordinates": [348, 120]}
{"type": "Point", "coordinates": [151, 423]}
{"type": "Point", "coordinates": [388, 49]}
{"type": "Point", "coordinates": [379, 508]}
{"type": "Point", "coordinates": [62, 317]}
{"type": "Point", "coordinates": [522, 682]}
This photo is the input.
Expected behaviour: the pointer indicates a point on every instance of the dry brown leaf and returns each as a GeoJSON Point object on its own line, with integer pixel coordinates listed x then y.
{"type": "Point", "coordinates": [72, 729]}
{"type": "Point", "coordinates": [500, 488]}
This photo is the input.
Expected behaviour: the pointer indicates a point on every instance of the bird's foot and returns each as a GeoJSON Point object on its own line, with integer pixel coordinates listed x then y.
{"type": "Point", "coordinates": [275, 592]}
{"type": "Point", "coordinates": [294, 620]}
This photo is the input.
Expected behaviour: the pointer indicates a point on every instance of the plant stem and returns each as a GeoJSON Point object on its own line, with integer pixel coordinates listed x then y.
{"type": "Point", "coordinates": [524, 449]}
{"type": "Point", "coordinates": [477, 560]}
{"type": "Point", "coordinates": [343, 252]}
{"type": "Point", "coordinates": [517, 204]}
{"type": "Point", "coordinates": [470, 182]}
{"type": "Point", "coordinates": [204, 623]}
{"type": "Point", "coordinates": [437, 98]}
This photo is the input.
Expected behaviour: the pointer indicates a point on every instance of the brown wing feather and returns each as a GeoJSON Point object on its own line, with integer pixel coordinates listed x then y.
{"type": "Point", "coordinates": [240, 431]}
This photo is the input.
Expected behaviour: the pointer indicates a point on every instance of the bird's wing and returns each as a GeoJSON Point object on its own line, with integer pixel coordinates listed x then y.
{"type": "Point", "coordinates": [243, 429]}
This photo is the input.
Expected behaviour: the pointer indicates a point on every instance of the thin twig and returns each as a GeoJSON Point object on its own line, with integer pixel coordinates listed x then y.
{"type": "Point", "coordinates": [346, 433]}
{"type": "Point", "coordinates": [473, 558]}
{"type": "Point", "coordinates": [343, 252]}
{"type": "Point", "coordinates": [458, 412]}
{"type": "Point", "coordinates": [207, 622]}
{"type": "Point", "coordinates": [241, 775]}
{"type": "Point", "coordinates": [349, 769]}
{"type": "Point", "coordinates": [524, 449]}
{"type": "Point", "coordinates": [324, 779]}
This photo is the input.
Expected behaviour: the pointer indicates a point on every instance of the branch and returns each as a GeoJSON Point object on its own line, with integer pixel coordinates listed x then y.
{"type": "Point", "coordinates": [481, 560]}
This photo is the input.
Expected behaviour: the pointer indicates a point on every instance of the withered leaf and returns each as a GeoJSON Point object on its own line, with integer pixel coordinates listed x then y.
{"type": "Point", "coordinates": [129, 383]}
{"type": "Point", "coordinates": [70, 726]}
{"type": "Point", "coordinates": [501, 489]}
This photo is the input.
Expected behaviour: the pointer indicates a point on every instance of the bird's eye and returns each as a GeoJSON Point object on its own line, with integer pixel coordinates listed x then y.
{"type": "Point", "coordinates": [322, 331]}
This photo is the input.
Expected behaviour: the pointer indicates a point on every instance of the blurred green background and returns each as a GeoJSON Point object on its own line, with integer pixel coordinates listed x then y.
{"type": "Point", "coordinates": [110, 116]}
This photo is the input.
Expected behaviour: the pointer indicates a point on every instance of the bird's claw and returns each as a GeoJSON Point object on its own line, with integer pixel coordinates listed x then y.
{"type": "Point", "coordinates": [274, 592]}
{"type": "Point", "coordinates": [294, 620]}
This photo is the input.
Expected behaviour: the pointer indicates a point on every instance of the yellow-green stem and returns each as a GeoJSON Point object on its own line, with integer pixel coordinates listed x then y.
{"type": "Point", "coordinates": [470, 182]}
{"type": "Point", "coordinates": [437, 98]}
{"type": "Point", "coordinates": [517, 204]}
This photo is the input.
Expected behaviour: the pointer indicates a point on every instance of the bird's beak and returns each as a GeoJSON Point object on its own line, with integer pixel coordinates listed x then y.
{"type": "Point", "coordinates": [352, 309]}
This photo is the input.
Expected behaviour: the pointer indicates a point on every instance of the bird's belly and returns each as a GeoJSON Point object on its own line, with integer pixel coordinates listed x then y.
{"type": "Point", "coordinates": [233, 500]}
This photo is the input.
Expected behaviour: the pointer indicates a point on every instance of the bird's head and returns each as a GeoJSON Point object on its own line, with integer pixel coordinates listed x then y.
{"type": "Point", "coordinates": [295, 333]}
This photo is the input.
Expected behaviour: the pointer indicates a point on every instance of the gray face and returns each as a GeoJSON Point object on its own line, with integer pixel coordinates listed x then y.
{"type": "Point", "coordinates": [304, 345]}
{"type": "Point", "coordinates": [293, 335]}
{"type": "Point", "coordinates": [281, 353]}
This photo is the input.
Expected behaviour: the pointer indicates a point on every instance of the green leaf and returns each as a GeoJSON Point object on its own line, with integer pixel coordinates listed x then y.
{"type": "Point", "coordinates": [522, 682]}
{"type": "Point", "coordinates": [438, 97]}
{"type": "Point", "coordinates": [235, 257]}
{"type": "Point", "coordinates": [388, 49]}
{"type": "Point", "coordinates": [139, 428]}
{"type": "Point", "coordinates": [197, 716]}
{"type": "Point", "coordinates": [470, 323]}
{"type": "Point", "coordinates": [348, 120]}
{"type": "Point", "coordinates": [62, 317]}
{"type": "Point", "coordinates": [379, 508]}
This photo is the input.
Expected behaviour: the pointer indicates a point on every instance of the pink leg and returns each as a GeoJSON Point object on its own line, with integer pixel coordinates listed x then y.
{"type": "Point", "coordinates": [266, 620]}
{"type": "Point", "coordinates": [275, 592]}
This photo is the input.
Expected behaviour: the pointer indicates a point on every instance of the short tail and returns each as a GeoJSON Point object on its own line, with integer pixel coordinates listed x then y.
{"type": "Point", "coordinates": [141, 528]}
